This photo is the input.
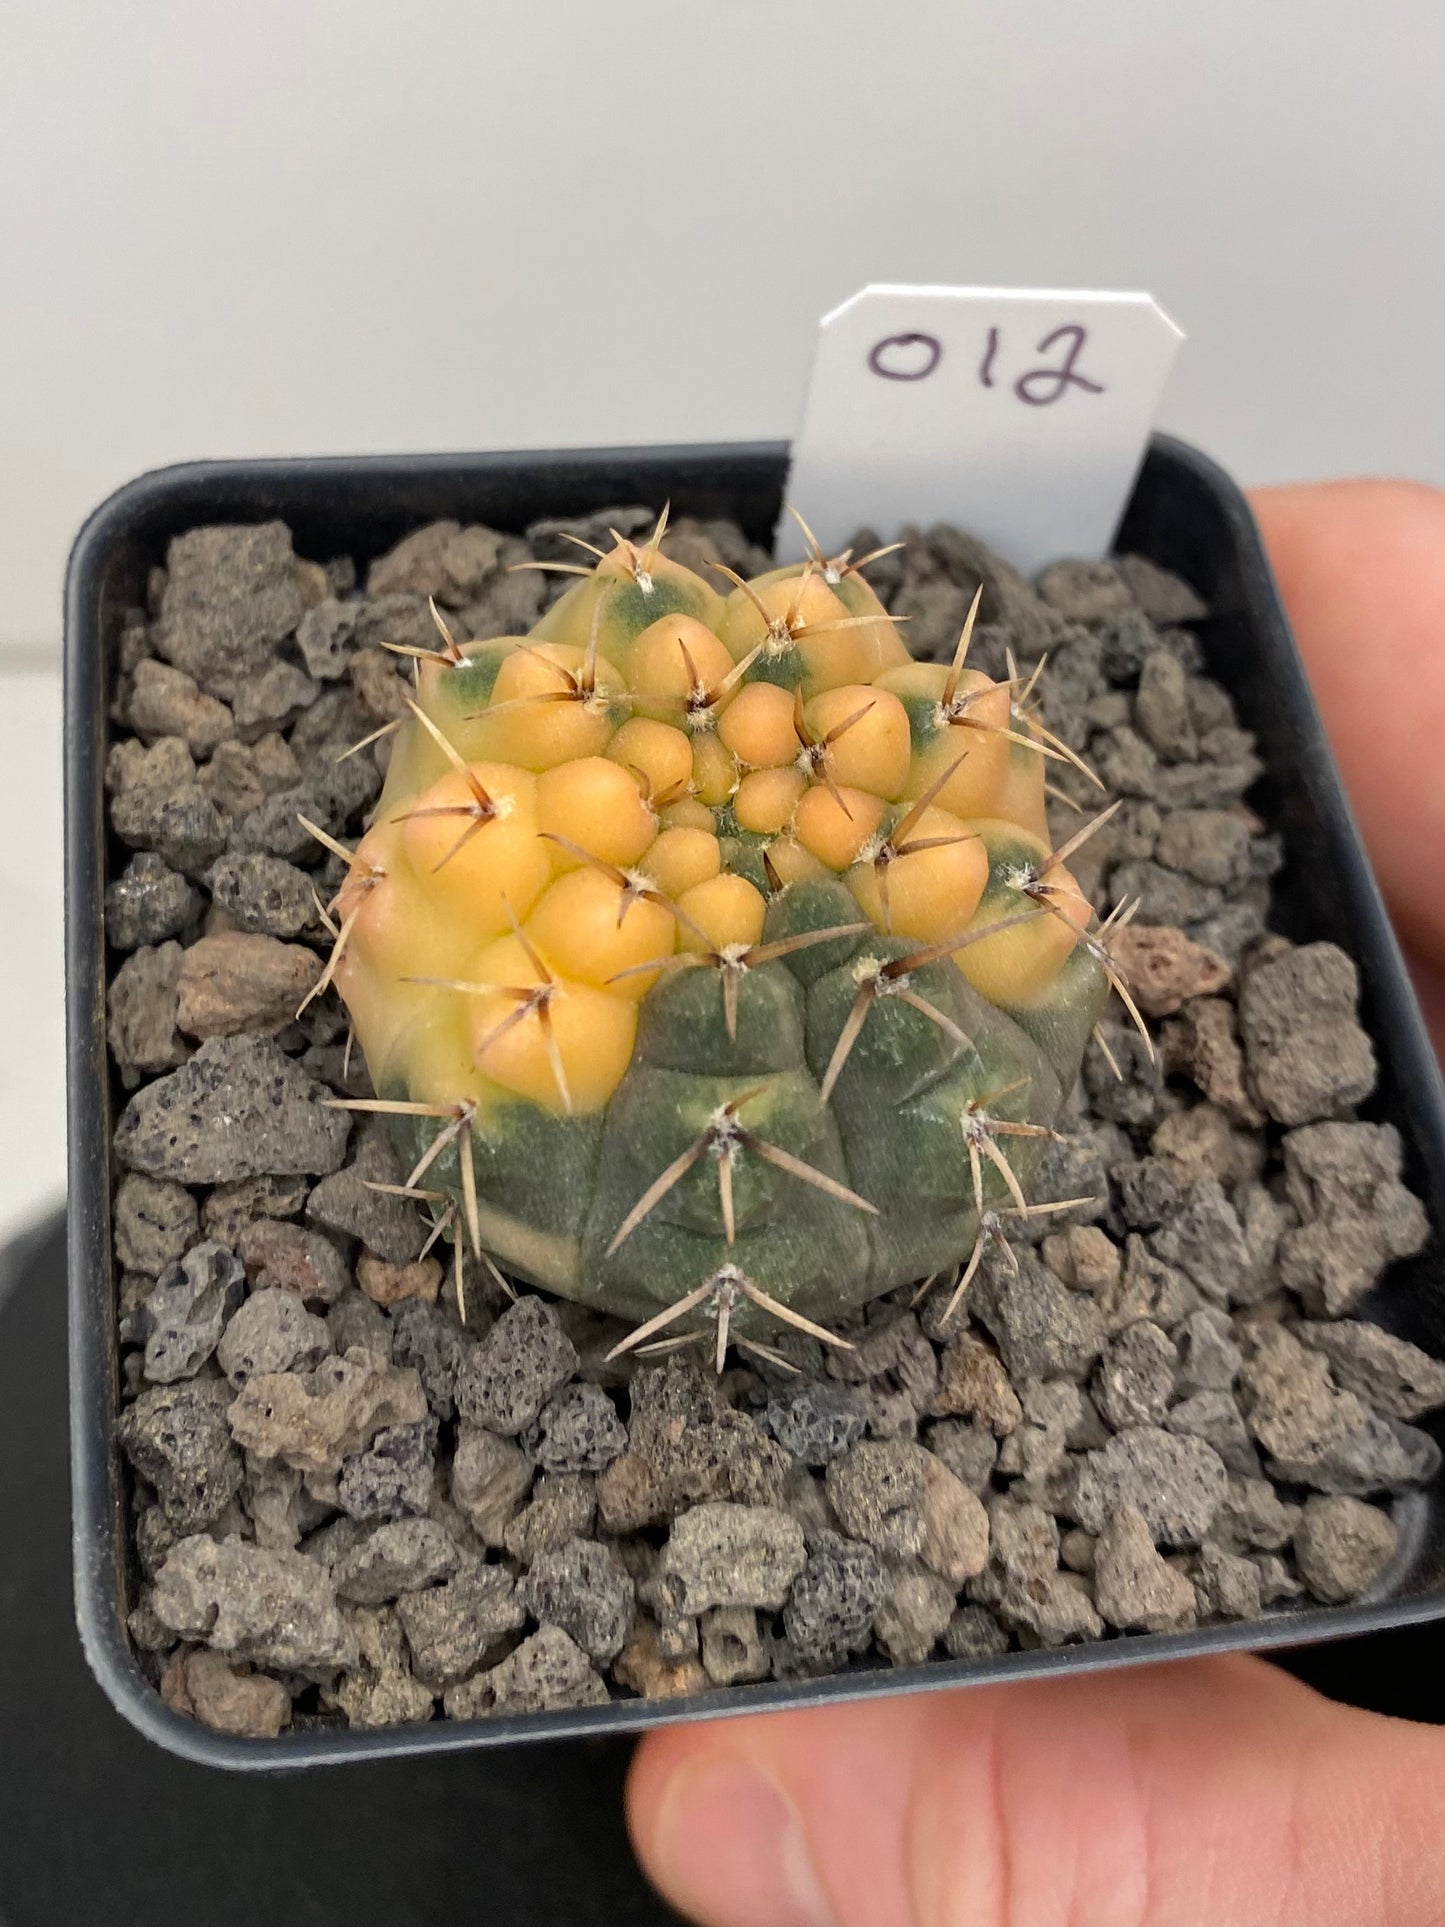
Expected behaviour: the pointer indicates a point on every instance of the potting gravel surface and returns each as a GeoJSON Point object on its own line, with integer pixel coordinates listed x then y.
{"type": "Point", "coordinates": [350, 1507]}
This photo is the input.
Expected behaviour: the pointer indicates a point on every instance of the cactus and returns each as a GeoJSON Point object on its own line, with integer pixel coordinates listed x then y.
{"type": "Point", "coordinates": [709, 954]}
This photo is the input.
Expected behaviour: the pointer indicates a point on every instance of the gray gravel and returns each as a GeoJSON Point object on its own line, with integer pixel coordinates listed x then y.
{"type": "Point", "coordinates": [1173, 1410]}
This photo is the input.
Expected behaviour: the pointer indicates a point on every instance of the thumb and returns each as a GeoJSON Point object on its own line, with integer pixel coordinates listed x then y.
{"type": "Point", "coordinates": [1217, 1793]}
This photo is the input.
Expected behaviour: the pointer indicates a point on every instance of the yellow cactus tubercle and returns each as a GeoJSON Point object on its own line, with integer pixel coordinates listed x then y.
{"type": "Point", "coordinates": [568, 811]}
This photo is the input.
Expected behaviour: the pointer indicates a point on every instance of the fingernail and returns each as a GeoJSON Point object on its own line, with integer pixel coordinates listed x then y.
{"type": "Point", "coordinates": [730, 1849]}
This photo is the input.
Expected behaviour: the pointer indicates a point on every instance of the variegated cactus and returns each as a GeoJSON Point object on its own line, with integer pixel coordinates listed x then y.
{"type": "Point", "coordinates": [709, 954]}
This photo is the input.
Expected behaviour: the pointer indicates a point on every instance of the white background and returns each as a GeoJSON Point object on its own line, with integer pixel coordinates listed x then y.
{"type": "Point", "coordinates": [328, 225]}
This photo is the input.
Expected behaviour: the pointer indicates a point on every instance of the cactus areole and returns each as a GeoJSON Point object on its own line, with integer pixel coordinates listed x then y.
{"type": "Point", "coordinates": [709, 954]}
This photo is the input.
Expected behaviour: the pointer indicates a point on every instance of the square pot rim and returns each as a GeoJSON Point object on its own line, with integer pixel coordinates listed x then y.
{"type": "Point", "coordinates": [253, 489]}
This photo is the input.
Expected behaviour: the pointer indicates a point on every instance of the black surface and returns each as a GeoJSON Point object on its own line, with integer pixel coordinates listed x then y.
{"type": "Point", "coordinates": [1184, 512]}
{"type": "Point", "coordinates": [100, 1828]}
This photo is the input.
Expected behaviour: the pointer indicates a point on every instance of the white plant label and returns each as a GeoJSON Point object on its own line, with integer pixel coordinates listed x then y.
{"type": "Point", "coordinates": [1020, 414]}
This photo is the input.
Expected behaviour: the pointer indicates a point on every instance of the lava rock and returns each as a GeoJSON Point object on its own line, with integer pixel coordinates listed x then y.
{"type": "Point", "coordinates": [490, 1478]}
{"type": "Point", "coordinates": [1215, 1418]}
{"type": "Point", "coordinates": [685, 1446]}
{"type": "Point", "coordinates": [325, 637]}
{"type": "Point", "coordinates": [1337, 1168]}
{"type": "Point", "coordinates": [388, 1226]}
{"type": "Point", "coordinates": [402, 1555]}
{"type": "Point", "coordinates": [165, 701]}
{"type": "Point", "coordinates": [181, 825]}
{"type": "Point", "coordinates": [231, 598]}
{"type": "Point", "coordinates": [1177, 1483]}
{"type": "Point", "coordinates": [1084, 1257]}
{"type": "Point", "coordinates": [1123, 1079]}
{"type": "Point", "coordinates": [1036, 1455]}
{"type": "Point", "coordinates": [1078, 1167]}
{"type": "Point", "coordinates": [974, 1633]}
{"type": "Point", "coordinates": [954, 1538]}
{"type": "Point", "coordinates": [436, 1345]}
{"type": "Point", "coordinates": [914, 1616]}
{"type": "Point", "coordinates": [1253, 1516]}
{"type": "Point", "coordinates": [288, 1257]}
{"type": "Point", "coordinates": [1342, 1546]}
{"type": "Point", "coordinates": [444, 560]}
{"type": "Point", "coordinates": [164, 768]}
{"type": "Point", "coordinates": [1135, 1377]}
{"type": "Point", "coordinates": [1164, 968]}
{"type": "Point", "coordinates": [187, 1311]}
{"type": "Point", "coordinates": [1209, 1359]}
{"type": "Point", "coordinates": [1147, 1193]}
{"type": "Point", "coordinates": [817, 1420]}
{"type": "Point", "coordinates": [273, 1608]}
{"type": "Point", "coordinates": [234, 982]}
{"type": "Point", "coordinates": [563, 1506]}
{"type": "Point", "coordinates": [388, 1284]}
{"type": "Point", "coordinates": [380, 1689]}
{"type": "Point", "coordinates": [454, 1628]}
{"type": "Point", "coordinates": [1206, 1241]}
{"type": "Point", "coordinates": [1204, 1042]}
{"type": "Point", "coordinates": [263, 895]}
{"type": "Point", "coordinates": [1308, 1058]}
{"type": "Point", "coordinates": [1212, 846]}
{"type": "Point", "coordinates": [1199, 1142]}
{"type": "Point", "coordinates": [1161, 707]}
{"type": "Point", "coordinates": [650, 1666]}
{"type": "Point", "coordinates": [228, 1699]}
{"type": "Point", "coordinates": [1055, 1611]}
{"type": "Point", "coordinates": [1043, 1330]}
{"type": "Point", "coordinates": [1085, 591]}
{"type": "Point", "coordinates": [393, 1476]}
{"type": "Point", "coordinates": [733, 1651]}
{"type": "Point", "coordinates": [238, 1109]}
{"type": "Point", "coordinates": [973, 1383]}
{"type": "Point", "coordinates": [577, 1430]}
{"type": "Point", "coordinates": [1165, 897]}
{"type": "Point", "coordinates": [1023, 1550]}
{"type": "Point", "coordinates": [1324, 1438]}
{"type": "Point", "coordinates": [1390, 1374]}
{"type": "Point", "coordinates": [354, 1320]}
{"type": "Point", "coordinates": [313, 1420]}
{"type": "Point", "coordinates": [1344, 1181]}
{"type": "Point", "coordinates": [546, 1673]}
{"type": "Point", "coordinates": [835, 1598]}
{"type": "Point", "coordinates": [148, 902]}
{"type": "Point", "coordinates": [877, 1491]}
{"type": "Point", "coordinates": [969, 1449]}
{"type": "Point", "coordinates": [1227, 1586]}
{"type": "Point", "coordinates": [1135, 1587]}
{"type": "Point", "coordinates": [231, 1207]}
{"type": "Point", "coordinates": [176, 1436]}
{"type": "Point", "coordinates": [581, 1587]}
{"type": "Point", "coordinates": [731, 1555]}
{"type": "Point", "coordinates": [143, 1004]}
{"type": "Point", "coordinates": [1164, 598]}
{"type": "Point", "coordinates": [153, 1223]}
{"type": "Point", "coordinates": [516, 1368]}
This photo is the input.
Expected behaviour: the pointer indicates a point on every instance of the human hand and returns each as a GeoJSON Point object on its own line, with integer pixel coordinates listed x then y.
{"type": "Point", "coordinates": [1214, 1793]}
{"type": "Point", "coordinates": [1361, 566]}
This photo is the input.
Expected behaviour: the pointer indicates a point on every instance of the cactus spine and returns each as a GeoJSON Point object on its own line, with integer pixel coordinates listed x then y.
{"type": "Point", "coordinates": [709, 954]}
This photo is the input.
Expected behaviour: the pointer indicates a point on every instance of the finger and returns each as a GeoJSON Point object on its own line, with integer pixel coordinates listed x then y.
{"type": "Point", "coordinates": [1430, 990]}
{"type": "Point", "coordinates": [1216, 1793]}
{"type": "Point", "coordinates": [1361, 567]}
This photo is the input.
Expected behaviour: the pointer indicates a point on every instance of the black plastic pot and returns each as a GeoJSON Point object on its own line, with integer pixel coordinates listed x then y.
{"type": "Point", "coordinates": [1185, 514]}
